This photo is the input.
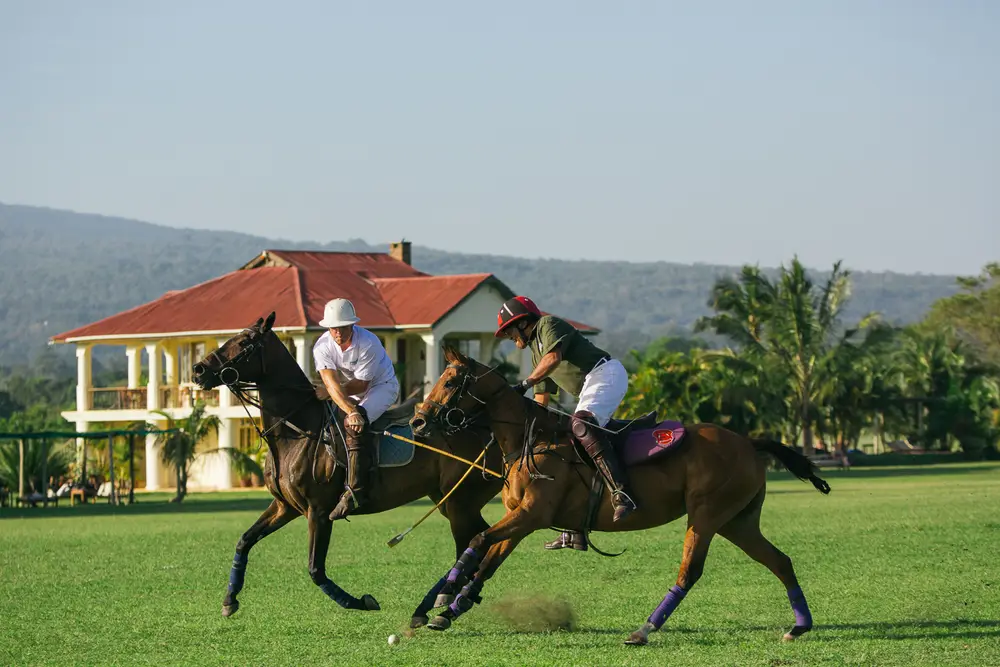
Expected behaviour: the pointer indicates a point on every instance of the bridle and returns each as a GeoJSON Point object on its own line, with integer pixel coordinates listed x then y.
{"type": "Point", "coordinates": [252, 344]}
{"type": "Point", "coordinates": [448, 416]}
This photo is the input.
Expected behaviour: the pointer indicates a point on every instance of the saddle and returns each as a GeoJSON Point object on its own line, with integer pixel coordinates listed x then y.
{"type": "Point", "coordinates": [620, 429]}
{"type": "Point", "coordinates": [387, 452]}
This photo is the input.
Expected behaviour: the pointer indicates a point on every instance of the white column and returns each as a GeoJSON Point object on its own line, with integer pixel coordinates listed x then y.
{"type": "Point", "coordinates": [432, 361]}
{"type": "Point", "coordinates": [170, 363]}
{"type": "Point", "coordinates": [303, 351]}
{"type": "Point", "coordinates": [83, 377]}
{"type": "Point", "coordinates": [487, 343]}
{"type": "Point", "coordinates": [134, 354]}
{"type": "Point", "coordinates": [81, 427]}
{"type": "Point", "coordinates": [229, 433]}
{"type": "Point", "coordinates": [153, 369]}
{"type": "Point", "coordinates": [390, 346]}
{"type": "Point", "coordinates": [153, 481]}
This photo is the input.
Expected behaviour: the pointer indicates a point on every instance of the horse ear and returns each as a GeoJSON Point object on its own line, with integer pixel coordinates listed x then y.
{"type": "Point", "coordinates": [268, 323]}
{"type": "Point", "coordinates": [452, 355]}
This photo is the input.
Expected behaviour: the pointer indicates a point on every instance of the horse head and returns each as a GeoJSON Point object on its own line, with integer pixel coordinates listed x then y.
{"type": "Point", "coordinates": [459, 397]}
{"type": "Point", "coordinates": [240, 360]}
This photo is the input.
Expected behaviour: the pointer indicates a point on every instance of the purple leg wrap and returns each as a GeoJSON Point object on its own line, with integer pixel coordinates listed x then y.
{"type": "Point", "coordinates": [463, 601]}
{"type": "Point", "coordinates": [803, 619]}
{"type": "Point", "coordinates": [237, 572]}
{"type": "Point", "coordinates": [466, 561]}
{"type": "Point", "coordinates": [670, 602]}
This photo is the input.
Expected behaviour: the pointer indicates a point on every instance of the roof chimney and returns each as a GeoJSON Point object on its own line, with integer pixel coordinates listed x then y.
{"type": "Point", "coordinates": [400, 251]}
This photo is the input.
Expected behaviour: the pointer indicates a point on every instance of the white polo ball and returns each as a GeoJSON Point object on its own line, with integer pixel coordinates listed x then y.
{"type": "Point", "coordinates": [393, 640]}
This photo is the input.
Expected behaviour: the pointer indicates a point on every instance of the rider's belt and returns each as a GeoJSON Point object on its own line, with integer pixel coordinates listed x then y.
{"type": "Point", "coordinates": [600, 362]}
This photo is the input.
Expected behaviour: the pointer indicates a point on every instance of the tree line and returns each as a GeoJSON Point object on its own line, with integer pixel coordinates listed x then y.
{"type": "Point", "coordinates": [791, 369]}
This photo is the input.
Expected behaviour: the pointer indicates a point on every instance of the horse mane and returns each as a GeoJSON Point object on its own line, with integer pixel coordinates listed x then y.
{"type": "Point", "coordinates": [549, 420]}
{"type": "Point", "coordinates": [289, 366]}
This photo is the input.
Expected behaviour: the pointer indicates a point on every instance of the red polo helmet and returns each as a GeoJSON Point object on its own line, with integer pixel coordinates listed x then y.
{"type": "Point", "coordinates": [513, 310]}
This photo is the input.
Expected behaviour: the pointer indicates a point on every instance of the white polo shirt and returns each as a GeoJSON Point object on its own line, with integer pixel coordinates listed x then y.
{"type": "Point", "coordinates": [364, 359]}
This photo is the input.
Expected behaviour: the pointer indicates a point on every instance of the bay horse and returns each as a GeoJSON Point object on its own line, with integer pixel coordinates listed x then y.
{"type": "Point", "coordinates": [305, 480]}
{"type": "Point", "coordinates": [713, 475]}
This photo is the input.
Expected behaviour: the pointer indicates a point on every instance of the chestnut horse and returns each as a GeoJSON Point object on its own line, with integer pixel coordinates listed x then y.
{"type": "Point", "coordinates": [304, 478]}
{"type": "Point", "coordinates": [714, 476]}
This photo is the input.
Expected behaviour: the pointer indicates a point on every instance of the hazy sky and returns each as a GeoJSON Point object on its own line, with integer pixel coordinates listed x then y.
{"type": "Point", "coordinates": [723, 132]}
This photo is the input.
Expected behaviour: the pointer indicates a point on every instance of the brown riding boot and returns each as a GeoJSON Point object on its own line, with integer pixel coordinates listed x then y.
{"type": "Point", "coordinates": [617, 482]}
{"type": "Point", "coordinates": [600, 450]}
{"type": "Point", "coordinates": [569, 539]}
{"type": "Point", "coordinates": [359, 464]}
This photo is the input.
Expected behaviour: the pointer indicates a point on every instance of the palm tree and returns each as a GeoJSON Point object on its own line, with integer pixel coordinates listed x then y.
{"type": "Point", "coordinates": [178, 445]}
{"type": "Point", "coordinates": [790, 324]}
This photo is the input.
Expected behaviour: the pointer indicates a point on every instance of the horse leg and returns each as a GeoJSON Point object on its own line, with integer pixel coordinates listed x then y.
{"type": "Point", "coordinates": [320, 528]}
{"type": "Point", "coordinates": [470, 593]}
{"type": "Point", "coordinates": [465, 525]}
{"type": "Point", "coordinates": [744, 532]}
{"type": "Point", "coordinates": [274, 517]}
{"type": "Point", "coordinates": [696, 543]}
{"type": "Point", "coordinates": [497, 542]}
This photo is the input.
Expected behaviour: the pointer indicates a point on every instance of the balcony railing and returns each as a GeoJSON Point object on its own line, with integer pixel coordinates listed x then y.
{"type": "Point", "coordinates": [187, 397]}
{"type": "Point", "coordinates": [117, 398]}
{"type": "Point", "coordinates": [123, 398]}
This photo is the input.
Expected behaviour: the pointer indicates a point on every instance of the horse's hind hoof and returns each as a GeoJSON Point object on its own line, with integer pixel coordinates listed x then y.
{"type": "Point", "coordinates": [370, 603]}
{"type": "Point", "coordinates": [418, 622]}
{"type": "Point", "coordinates": [636, 639]}
{"type": "Point", "coordinates": [440, 623]}
{"type": "Point", "coordinates": [795, 633]}
{"type": "Point", "coordinates": [230, 609]}
{"type": "Point", "coordinates": [443, 600]}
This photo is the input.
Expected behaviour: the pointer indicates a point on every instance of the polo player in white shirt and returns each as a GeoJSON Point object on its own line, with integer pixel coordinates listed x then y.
{"type": "Point", "coordinates": [358, 376]}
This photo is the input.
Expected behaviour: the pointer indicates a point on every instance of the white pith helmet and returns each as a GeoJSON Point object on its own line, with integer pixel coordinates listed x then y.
{"type": "Point", "coordinates": [338, 313]}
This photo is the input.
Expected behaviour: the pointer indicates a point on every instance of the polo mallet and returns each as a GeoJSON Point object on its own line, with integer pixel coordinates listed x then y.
{"type": "Point", "coordinates": [399, 538]}
{"type": "Point", "coordinates": [443, 453]}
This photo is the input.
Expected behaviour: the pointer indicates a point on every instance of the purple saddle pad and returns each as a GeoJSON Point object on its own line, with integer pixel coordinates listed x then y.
{"type": "Point", "coordinates": [646, 444]}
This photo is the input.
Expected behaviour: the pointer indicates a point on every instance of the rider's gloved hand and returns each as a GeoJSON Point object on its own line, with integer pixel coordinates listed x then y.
{"type": "Point", "coordinates": [521, 386]}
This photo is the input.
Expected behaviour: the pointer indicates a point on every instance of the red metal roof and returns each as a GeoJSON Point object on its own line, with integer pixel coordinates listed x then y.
{"type": "Point", "coordinates": [367, 264]}
{"type": "Point", "coordinates": [296, 285]}
{"type": "Point", "coordinates": [427, 299]}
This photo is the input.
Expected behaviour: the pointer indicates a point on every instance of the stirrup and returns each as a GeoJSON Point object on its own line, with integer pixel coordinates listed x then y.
{"type": "Point", "coordinates": [623, 505]}
{"type": "Point", "coordinates": [348, 503]}
{"type": "Point", "coordinates": [568, 539]}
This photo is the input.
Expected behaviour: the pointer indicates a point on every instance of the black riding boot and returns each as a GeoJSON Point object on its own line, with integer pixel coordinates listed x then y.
{"type": "Point", "coordinates": [359, 464]}
{"type": "Point", "coordinates": [569, 539]}
{"type": "Point", "coordinates": [600, 450]}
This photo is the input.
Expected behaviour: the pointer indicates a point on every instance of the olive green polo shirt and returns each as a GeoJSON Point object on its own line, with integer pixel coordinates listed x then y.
{"type": "Point", "coordinates": [579, 355]}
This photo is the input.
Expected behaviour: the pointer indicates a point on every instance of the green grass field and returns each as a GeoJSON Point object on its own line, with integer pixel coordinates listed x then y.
{"type": "Point", "coordinates": [901, 567]}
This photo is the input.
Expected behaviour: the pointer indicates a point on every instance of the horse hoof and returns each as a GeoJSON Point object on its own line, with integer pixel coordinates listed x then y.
{"type": "Point", "coordinates": [370, 603]}
{"type": "Point", "coordinates": [230, 609]}
{"type": "Point", "coordinates": [636, 639]}
{"type": "Point", "coordinates": [443, 600]}
{"type": "Point", "coordinates": [795, 633]}
{"type": "Point", "coordinates": [440, 623]}
{"type": "Point", "coordinates": [418, 622]}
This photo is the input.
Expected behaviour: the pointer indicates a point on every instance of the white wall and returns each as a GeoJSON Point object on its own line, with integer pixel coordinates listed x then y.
{"type": "Point", "coordinates": [477, 314]}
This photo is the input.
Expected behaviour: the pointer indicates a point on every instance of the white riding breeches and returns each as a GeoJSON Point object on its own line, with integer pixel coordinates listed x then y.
{"type": "Point", "coordinates": [603, 390]}
{"type": "Point", "coordinates": [379, 398]}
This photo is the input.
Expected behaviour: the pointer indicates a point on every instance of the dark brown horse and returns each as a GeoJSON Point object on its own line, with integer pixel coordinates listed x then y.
{"type": "Point", "coordinates": [713, 475]}
{"type": "Point", "coordinates": [304, 478]}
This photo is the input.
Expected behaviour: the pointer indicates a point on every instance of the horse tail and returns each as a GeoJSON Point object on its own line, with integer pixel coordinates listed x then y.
{"type": "Point", "coordinates": [795, 463]}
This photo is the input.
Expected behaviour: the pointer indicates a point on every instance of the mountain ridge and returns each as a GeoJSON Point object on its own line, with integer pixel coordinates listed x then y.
{"type": "Point", "coordinates": [62, 269]}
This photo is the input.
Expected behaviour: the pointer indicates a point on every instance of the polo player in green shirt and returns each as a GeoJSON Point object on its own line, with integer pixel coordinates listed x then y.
{"type": "Point", "coordinates": [563, 357]}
